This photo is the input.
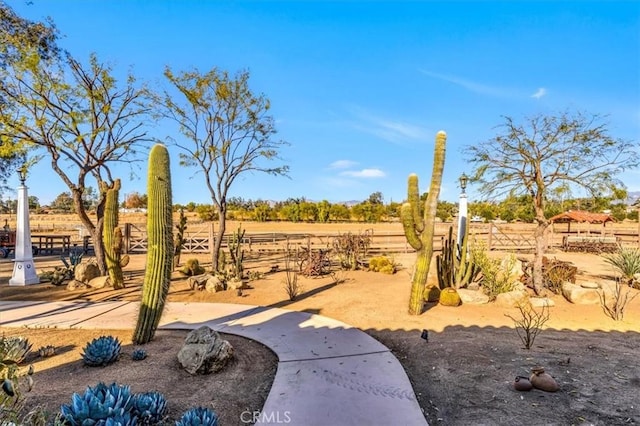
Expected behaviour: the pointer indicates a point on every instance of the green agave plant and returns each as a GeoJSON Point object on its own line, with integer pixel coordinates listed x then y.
{"type": "Point", "coordinates": [198, 416]}
{"type": "Point", "coordinates": [101, 351]}
{"type": "Point", "coordinates": [100, 405]}
{"type": "Point", "coordinates": [149, 407]}
{"type": "Point", "coordinates": [14, 348]}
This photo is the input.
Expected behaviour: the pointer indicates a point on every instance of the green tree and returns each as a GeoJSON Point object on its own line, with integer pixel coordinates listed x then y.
{"type": "Point", "coordinates": [227, 131]}
{"type": "Point", "coordinates": [20, 40]}
{"type": "Point", "coordinates": [63, 203]}
{"type": "Point", "coordinates": [79, 116]}
{"type": "Point", "coordinates": [324, 211]}
{"type": "Point", "coordinates": [542, 154]}
{"type": "Point", "coordinates": [339, 212]}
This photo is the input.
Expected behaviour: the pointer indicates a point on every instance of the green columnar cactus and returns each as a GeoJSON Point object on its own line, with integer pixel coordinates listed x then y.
{"type": "Point", "coordinates": [455, 266]}
{"type": "Point", "coordinates": [160, 245]}
{"type": "Point", "coordinates": [112, 235]}
{"type": "Point", "coordinates": [179, 240]}
{"type": "Point", "coordinates": [236, 252]}
{"type": "Point", "coordinates": [419, 231]}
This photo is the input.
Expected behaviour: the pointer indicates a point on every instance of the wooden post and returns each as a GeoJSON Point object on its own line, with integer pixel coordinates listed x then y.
{"type": "Point", "coordinates": [212, 235]}
{"type": "Point", "coordinates": [127, 237]}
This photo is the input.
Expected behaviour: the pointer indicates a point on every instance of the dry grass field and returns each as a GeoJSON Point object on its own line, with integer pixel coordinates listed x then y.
{"type": "Point", "coordinates": [464, 373]}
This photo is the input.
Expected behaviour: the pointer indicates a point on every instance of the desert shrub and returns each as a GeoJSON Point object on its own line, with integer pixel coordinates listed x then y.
{"type": "Point", "coordinates": [382, 264]}
{"type": "Point", "coordinates": [351, 249]}
{"type": "Point", "coordinates": [615, 307]}
{"type": "Point", "coordinates": [290, 280]}
{"type": "Point", "coordinates": [556, 272]}
{"type": "Point", "coordinates": [192, 267]}
{"type": "Point", "coordinates": [530, 322]}
{"type": "Point", "coordinates": [625, 261]}
{"type": "Point", "coordinates": [496, 277]}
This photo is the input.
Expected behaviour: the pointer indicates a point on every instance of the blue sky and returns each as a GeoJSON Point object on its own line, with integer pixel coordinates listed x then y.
{"type": "Point", "coordinates": [359, 89]}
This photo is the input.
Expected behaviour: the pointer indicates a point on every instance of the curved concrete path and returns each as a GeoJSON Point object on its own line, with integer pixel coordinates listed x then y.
{"type": "Point", "coordinates": [329, 373]}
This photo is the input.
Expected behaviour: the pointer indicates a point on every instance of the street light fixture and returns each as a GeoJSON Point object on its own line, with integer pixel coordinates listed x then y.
{"type": "Point", "coordinates": [463, 182]}
{"type": "Point", "coordinates": [22, 174]}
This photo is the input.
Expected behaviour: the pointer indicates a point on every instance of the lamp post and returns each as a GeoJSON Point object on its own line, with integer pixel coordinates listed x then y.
{"type": "Point", "coordinates": [462, 209]}
{"type": "Point", "coordinates": [24, 271]}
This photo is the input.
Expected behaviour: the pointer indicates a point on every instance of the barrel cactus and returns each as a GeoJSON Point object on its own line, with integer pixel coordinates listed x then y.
{"type": "Point", "coordinates": [450, 297]}
{"type": "Point", "coordinates": [160, 245]}
{"type": "Point", "coordinates": [100, 405]}
{"type": "Point", "coordinates": [101, 351]}
{"type": "Point", "coordinates": [198, 416]}
{"type": "Point", "coordinates": [149, 407]}
{"type": "Point", "coordinates": [419, 229]}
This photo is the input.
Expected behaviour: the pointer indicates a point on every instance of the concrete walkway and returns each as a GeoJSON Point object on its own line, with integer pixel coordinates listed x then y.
{"type": "Point", "coordinates": [329, 373]}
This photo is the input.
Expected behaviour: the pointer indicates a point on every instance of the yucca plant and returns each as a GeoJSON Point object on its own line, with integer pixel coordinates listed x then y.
{"type": "Point", "coordinates": [198, 416]}
{"type": "Point", "coordinates": [101, 351]}
{"type": "Point", "coordinates": [100, 405]}
{"type": "Point", "coordinates": [149, 407]}
{"type": "Point", "coordinates": [626, 261]}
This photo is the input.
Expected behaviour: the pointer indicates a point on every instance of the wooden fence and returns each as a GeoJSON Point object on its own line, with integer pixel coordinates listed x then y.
{"type": "Point", "coordinates": [506, 237]}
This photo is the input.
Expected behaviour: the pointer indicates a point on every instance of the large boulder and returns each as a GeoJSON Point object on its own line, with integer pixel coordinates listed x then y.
{"type": "Point", "coordinates": [472, 297]}
{"type": "Point", "coordinates": [214, 284]}
{"type": "Point", "coordinates": [100, 282]}
{"type": "Point", "coordinates": [580, 295]}
{"type": "Point", "coordinates": [204, 351]}
{"type": "Point", "coordinates": [511, 299]}
{"type": "Point", "coordinates": [86, 271]}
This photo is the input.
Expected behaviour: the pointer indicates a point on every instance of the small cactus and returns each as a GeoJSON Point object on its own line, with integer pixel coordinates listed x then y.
{"type": "Point", "coordinates": [46, 351]}
{"type": "Point", "coordinates": [198, 416]}
{"type": "Point", "coordinates": [138, 354]}
{"type": "Point", "coordinates": [449, 297]}
{"type": "Point", "coordinates": [101, 351]}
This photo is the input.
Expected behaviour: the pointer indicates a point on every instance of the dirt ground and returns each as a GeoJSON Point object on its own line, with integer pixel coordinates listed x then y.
{"type": "Point", "coordinates": [462, 375]}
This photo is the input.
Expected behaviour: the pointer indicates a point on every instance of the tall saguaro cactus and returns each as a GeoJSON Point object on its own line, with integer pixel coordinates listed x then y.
{"type": "Point", "coordinates": [419, 230]}
{"type": "Point", "coordinates": [159, 245]}
{"type": "Point", "coordinates": [112, 236]}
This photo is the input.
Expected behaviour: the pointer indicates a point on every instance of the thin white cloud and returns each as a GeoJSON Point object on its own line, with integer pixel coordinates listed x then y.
{"type": "Point", "coordinates": [342, 164]}
{"type": "Point", "coordinates": [539, 93]}
{"type": "Point", "coordinates": [364, 173]}
{"type": "Point", "coordinates": [470, 85]}
{"type": "Point", "coordinates": [385, 128]}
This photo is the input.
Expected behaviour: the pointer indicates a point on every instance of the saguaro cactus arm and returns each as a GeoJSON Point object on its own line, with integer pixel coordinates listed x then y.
{"type": "Point", "coordinates": [408, 223]}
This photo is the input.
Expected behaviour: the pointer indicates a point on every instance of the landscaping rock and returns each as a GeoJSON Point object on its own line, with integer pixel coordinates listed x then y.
{"type": "Point", "coordinates": [214, 284]}
{"type": "Point", "coordinates": [235, 284]}
{"type": "Point", "coordinates": [85, 272]}
{"type": "Point", "coordinates": [541, 302]}
{"type": "Point", "coordinates": [100, 282]}
{"type": "Point", "coordinates": [204, 351]}
{"type": "Point", "coordinates": [511, 299]}
{"type": "Point", "coordinates": [472, 297]}
{"type": "Point", "coordinates": [589, 284]}
{"type": "Point", "coordinates": [580, 296]}
{"type": "Point", "coordinates": [76, 285]}
{"type": "Point", "coordinates": [198, 282]}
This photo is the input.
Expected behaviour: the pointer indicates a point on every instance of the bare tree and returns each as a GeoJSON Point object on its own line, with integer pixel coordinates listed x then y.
{"type": "Point", "coordinates": [226, 132]}
{"type": "Point", "coordinates": [79, 117]}
{"type": "Point", "coordinates": [545, 154]}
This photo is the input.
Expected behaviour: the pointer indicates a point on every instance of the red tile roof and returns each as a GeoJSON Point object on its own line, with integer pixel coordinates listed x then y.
{"type": "Point", "coordinates": [580, 216]}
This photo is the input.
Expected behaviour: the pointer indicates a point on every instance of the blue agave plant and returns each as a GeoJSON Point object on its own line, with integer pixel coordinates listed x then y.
{"type": "Point", "coordinates": [149, 407]}
{"type": "Point", "coordinates": [198, 416]}
{"type": "Point", "coordinates": [100, 406]}
{"type": "Point", "coordinates": [101, 351]}
{"type": "Point", "coordinates": [138, 354]}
